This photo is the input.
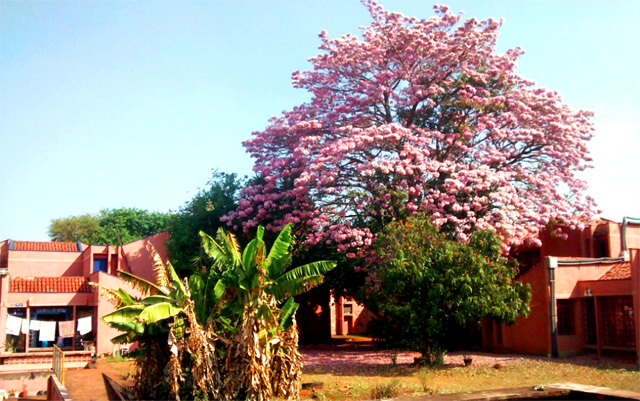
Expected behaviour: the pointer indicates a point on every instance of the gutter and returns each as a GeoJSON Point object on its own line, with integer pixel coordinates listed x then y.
{"type": "Point", "coordinates": [552, 264]}
{"type": "Point", "coordinates": [623, 240]}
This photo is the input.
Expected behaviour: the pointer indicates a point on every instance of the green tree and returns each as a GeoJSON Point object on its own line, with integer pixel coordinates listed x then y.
{"type": "Point", "coordinates": [124, 225]}
{"type": "Point", "coordinates": [84, 227]}
{"type": "Point", "coordinates": [109, 226]}
{"type": "Point", "coordinates": [423, 283]}
{"type": "Point", "coordinates": [227, 333]}
{"type": "Point", "coordinates": [202, 213]}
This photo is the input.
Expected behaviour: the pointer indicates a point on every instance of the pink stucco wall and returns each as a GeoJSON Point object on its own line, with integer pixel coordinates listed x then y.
{"type": "Point", "coordinates": [132, 257]}
{"type": "Point", "coordinates": [45, 264]}
{"type": "Point", "coordinates": [343, 323]}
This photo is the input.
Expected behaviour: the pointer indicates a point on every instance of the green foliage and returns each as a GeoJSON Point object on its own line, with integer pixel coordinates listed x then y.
{"type": "Point", "coordinates": [224, 333]}
{"type": "Point", "coordinates": [83, 228]}
{"type": "Point", "coordinates": [387, 390]}
{"type": "Point", "coordinates": [424, 283]}
{"type": "Point", "coordinates": [202, 213]}
{"type": "Point", "coordinates": [109, 226]}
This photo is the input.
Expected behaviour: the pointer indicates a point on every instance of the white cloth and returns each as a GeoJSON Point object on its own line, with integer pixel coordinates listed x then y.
{"type": "Point", "coordinates": [84, 325]}
{"type": "Point", "coordinates": [34, 325]}
{"type": "Point", "coordinates": [25, 326]}
{"type": "Point", "coordinates": [14, 323]}
{"type": "Point", "coordinates": [65, 329]}
{"type": "Point", "coordinates": [47, 331]}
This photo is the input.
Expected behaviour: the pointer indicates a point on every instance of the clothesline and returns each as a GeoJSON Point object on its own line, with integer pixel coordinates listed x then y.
{"type": "Point", "coordinates": [47, 329]}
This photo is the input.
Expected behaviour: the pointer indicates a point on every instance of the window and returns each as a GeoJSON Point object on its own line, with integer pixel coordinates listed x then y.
{"type": "Point", "coordinates": [99, 264]}
{"type": "Point", "coordinates": [348, 309]}
{"type": "Point", "coordinates": [50, 314]}
{"type": "Point", "coordinates": [617, 317]}
{"type": "Point", "coordinates": [566, 317]}
{"type": "Point", "coordinates": [15, 338]}
{"type": "Point", "coordinates": [600, 246]}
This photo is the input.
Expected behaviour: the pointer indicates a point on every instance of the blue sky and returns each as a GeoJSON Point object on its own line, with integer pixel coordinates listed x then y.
{"type": "Point", "coordinates": [108, 104]}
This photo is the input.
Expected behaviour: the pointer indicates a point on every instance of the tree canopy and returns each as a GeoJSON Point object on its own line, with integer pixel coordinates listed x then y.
{"type": "Point", "coordinates": [109, 226]}
{"type": "Point", "coordinates": [202, 213]}
{"type": "Point", "coordinates": [421, 284]}
{"type": "Point", "coordinates": [418, 116]}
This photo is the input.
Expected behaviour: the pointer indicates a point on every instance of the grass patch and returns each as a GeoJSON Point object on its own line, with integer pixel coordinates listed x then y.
{"type": "Point", "coordinates": [390, 389]}
{"type": "Point", "coordinates": [361, 384]}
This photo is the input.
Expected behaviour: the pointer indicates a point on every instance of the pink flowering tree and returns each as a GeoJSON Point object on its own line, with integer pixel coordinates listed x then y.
{"type": "Point", "coordinates": [418, 116]}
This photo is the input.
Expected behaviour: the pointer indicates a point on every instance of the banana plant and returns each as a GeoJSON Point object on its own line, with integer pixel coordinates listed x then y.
{"type": "Point", "coordinates": [242, 305]}
{"type": "Point", "coordinates": [142, 317]}
{"type": "Point", "coordinates": [245, 274]}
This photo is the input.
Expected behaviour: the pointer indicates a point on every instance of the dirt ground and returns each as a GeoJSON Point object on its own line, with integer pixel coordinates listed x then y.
{"type": "Point", "coordinates": [337, 358]}
{"type": "Point", "coordinates": [360, 354]}
{"type": "Point", "coordinates": [89, 384]}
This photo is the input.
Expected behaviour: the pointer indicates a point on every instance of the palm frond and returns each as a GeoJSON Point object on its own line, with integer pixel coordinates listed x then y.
{"type": "Point", "coordinates": [117, 298]}
{"type": "Point", "coordinates": [142, 285]}
{"type": "Point", "coordinates": [159, 269]}
{"type": "Point", "coordinates": [234, 248]}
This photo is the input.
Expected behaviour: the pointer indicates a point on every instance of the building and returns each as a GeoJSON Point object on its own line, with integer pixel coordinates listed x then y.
{"type": "Point", "coordinates": [47, 296]}
{"type": "Point", "coordinates": [348, 316]}
{"type": "Point", "coordinates": [586, 293]}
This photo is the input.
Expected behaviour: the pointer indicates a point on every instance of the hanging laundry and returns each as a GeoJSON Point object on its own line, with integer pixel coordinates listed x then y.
{"type": "Point", "coordinates": [25, 326]}
{"type": "Point", "coordinates": [34, 325]}
{"type": "Point", "coordinates": [84, 325]}
{"type": "Point", "coordinates": [14, 323]}
{"type": "Point", "coordinates": [65, 329]}
{"type": "Point", "coordinates": [47, 331]}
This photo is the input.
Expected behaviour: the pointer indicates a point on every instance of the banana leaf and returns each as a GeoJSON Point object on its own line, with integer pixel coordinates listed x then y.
{"type": "Point", "coordinates": [288, 311]}
{"type": "Point", "coordinates": [284, 289]}
{"type": "Point", "coordinates": [124, 338]}
{"type": "Point", "coordinates": [154, 299]}
{"type": "Point", "coordinates": [124, 314]}
{"type": "Point", "coordinates": [146, 287]}
{"type": "Point", "coordinates": [125, 298]}
{"type": "Point", "coordinates": [311, 269]}
{"type": "Point", "coordinates": [157, 312]}
{"type": "Point", "coordinates": [279, 250]}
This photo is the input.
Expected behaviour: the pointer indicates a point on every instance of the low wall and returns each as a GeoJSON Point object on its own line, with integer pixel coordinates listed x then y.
{"type": "Point", "coordinates": [56, 391]}
{"type": "Point", "coordinates": [29, 382]}
{"type": "Point", "coordinates": [42, 357]}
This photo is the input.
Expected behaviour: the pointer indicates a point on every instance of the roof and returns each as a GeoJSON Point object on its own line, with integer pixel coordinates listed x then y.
{"type": "Point", "coordinates": [619, 271]}
{"type": "Point", "coordinates": [49, 284]}
{"type": "Point", "coordinates": [44, 246]}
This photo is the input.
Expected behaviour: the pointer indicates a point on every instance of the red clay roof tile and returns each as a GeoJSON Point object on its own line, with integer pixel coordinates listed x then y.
{"type": "Point", "coordinates": [45, 246]}
{"type": "Point", "coordinates": [619, 271]}
{"type": "Point", "coordinates": [49, 284]}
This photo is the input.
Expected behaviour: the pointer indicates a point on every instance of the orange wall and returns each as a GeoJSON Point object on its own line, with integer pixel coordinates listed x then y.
{"type": "Point", "coordinates": [531, 334]}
